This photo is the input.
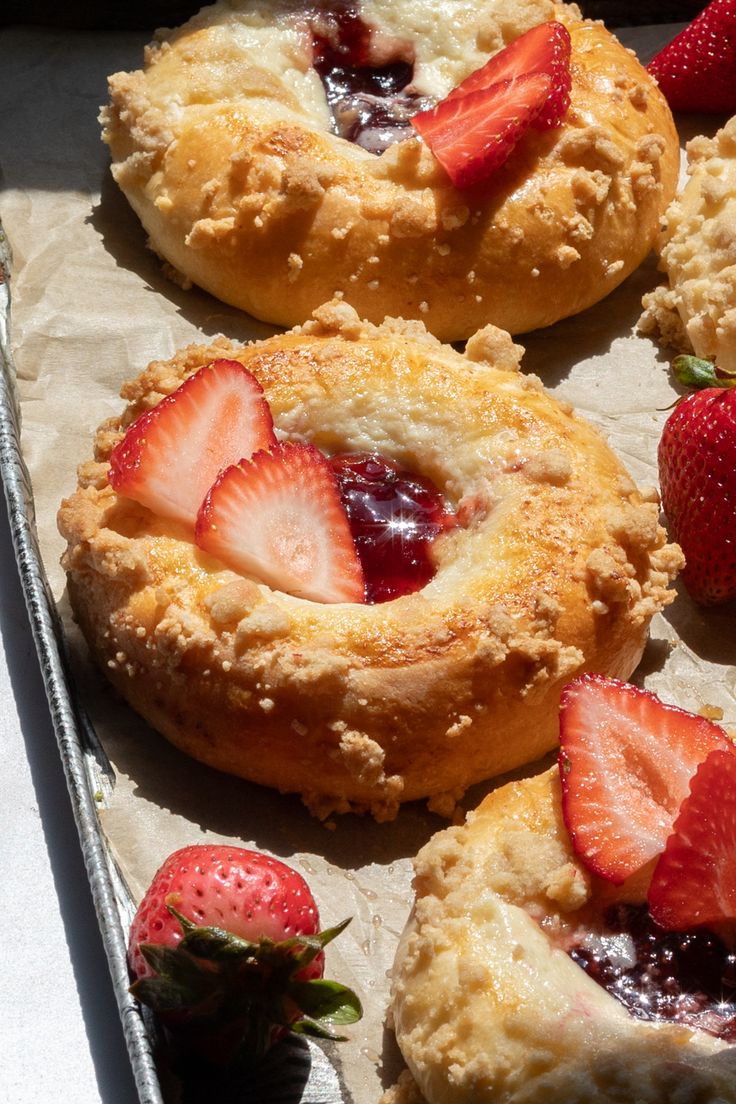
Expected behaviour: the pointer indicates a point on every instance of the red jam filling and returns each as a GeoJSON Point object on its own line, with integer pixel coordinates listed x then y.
{"type": "Point", "coordinates": [371, 102]}
{"type": "Point", "coordinates": [394, 517]}
{"type": "Point", "coordinates": [684, 977]}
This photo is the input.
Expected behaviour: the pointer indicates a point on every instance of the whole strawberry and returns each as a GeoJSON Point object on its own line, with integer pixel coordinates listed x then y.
{"type": "Point", "coordinates": [697, 472]}
{"type": "Point", "coordinates": [697, 70]}
{"type": "Point", "coordinates": [225, 947]}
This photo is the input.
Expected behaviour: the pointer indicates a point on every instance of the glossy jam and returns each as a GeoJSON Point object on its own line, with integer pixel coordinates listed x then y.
{"type": "Point", "coordinates": [685, 977]}
{"type": "Point", "coordinates": [371, 102]}
{"type": "Point", "coordinates": [394, 517]}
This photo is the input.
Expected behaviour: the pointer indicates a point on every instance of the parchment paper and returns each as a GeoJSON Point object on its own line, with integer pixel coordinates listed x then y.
{"type": "Point", "coordinates": [91, 309]}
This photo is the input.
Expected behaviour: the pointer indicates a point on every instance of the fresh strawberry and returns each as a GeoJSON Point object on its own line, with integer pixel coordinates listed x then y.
{"type": "Point", "coordinates": [697, 473]}
{"type": "Point", "coordinates": [172, 454]}
{"type": "Point", "coordinates": [473, 135]}
{"type": "Point", "coordinates": [697, 70]}
{"type": "Point", "coordinates": [475, 128]}
{"type": "Point", "coordinates": [626, 760]}
{"type": "Point", "coordinates": [543, 49]}
{"type": "Point", "coordinates": [694, 881]}
{"type": "Point", "coordinates": [279, 518]}
{"type": "Point", "coordinates": [225, 947]}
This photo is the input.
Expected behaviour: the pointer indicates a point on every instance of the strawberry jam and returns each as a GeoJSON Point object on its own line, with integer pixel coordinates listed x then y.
{"type": "Point", "coordinates": [370, 99]}
{"type": "Point", "coordinates": [685, 977]}
{"type": "Point", "coordinates": [394, 517]}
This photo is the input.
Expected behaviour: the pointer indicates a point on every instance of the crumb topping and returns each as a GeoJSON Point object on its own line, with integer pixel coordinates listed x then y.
{"type": "Point", "coordinates": [361, 688]}
{"type": "Point", "coordinates": [694, 312]}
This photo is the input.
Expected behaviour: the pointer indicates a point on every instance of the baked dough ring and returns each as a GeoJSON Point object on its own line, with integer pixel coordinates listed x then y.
{"type": "Point", "coordinates": [222, 145]}
{"type": "Point", "coordinates": [557, 567]}
{"type": "Point", "coordinates": [696, 310]}
{"type": "Point", "coordinates": [489, 1009]}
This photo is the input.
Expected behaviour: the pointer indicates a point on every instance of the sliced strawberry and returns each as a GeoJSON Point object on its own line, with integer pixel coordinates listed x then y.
{"type": "Point", "coordinates": [543, 49]}
{"type": "Point", "coordinates": [172, 454]}
{"type": "Point", "coordinates": [472, 135]}
{"type": "Point", "coordinates": [694, 881]}
{"type": "Point", "coordinates": [697, 70]}
{"type": "Point", "coordinates": [626, 760]}
{"type": "Point", "coordinates": [279, 518]}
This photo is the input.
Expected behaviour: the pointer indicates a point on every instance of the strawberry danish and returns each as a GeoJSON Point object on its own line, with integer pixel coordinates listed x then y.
{"type": "Point", "coordinates": [574, 940]}
{"type": "Point", "coordinates": [350, 563]}
{"type": "Point", "coordinates": [502, 162]}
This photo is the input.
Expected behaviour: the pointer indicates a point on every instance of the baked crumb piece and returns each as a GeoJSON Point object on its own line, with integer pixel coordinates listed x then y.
{"type": "Point", "coordinates": [695, 311]}
{"type": "Point", "coordinates": [405, 1091]}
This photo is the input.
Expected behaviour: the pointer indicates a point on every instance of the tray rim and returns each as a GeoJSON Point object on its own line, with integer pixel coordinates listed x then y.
{"type": "Point", "coordinates": [82, 758]}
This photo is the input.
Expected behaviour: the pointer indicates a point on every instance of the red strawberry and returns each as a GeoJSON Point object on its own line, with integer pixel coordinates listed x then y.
{"type": "Point", "coordinates": [543, 49]}
{"type": "Point", "coordinates": [225, 947]}
{"type": "Point", "coordinates": [474, 129]}
{"type": "Point", "coordinates": [697, 472]}
{"type": "Point", "coordinates": [626, 760]}
{"type": "Point", "coordinates": [473, 135]}
{"type": "Point", "coordinates": [172, 454]}
{"type": "Point", "coordinates": [697, 70]}
{"type": "Point", "coordinates": [279, 518]}
{"type": "Point", "coordinates": [694, 881]}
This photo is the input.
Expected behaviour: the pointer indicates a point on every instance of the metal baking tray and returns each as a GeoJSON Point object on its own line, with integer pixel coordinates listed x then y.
{"type": "Point", "coordinates": [300, 1070]}
{"type": "Point", "coordinates": [86, 767]}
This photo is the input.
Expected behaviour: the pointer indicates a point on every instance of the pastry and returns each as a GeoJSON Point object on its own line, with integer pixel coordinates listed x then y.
{"type": "Point", "coordinates": [524, 976]}
{"type": "Point", "coordinates": [239, 147]}
{"type": "Point", "coordinates": [551, 563]}
{"type": "Point", "coordinates": [695, 310]}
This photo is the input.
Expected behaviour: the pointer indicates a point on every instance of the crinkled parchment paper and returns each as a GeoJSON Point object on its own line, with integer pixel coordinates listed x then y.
{"type": "Point", "coordinates": [91, 308]}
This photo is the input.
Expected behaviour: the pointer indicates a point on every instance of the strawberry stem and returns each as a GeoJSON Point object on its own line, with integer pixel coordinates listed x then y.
{"type": "Point", "coordinates": [695, 372]}
{"type": "Point", "coordinates": [235, 996]}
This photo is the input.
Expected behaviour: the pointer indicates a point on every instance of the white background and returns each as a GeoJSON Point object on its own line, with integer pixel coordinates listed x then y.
{"type": "Point", "coordinates": [60, 1033]}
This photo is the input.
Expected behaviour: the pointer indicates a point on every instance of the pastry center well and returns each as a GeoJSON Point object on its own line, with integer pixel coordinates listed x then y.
{"type": "Point", "coordinates": [368, 88]}
{"type": "Point", "coordinates": [685, 977]}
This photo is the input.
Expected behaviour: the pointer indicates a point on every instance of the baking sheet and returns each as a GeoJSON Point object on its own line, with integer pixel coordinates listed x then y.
{"type": "Point", "coordinates": [91, 308]}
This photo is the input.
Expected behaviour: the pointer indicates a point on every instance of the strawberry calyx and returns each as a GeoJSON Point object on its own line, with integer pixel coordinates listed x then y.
{"type": "Point", "coordinates": [698, 373]}
{"type": "Point", "coordinates": [233, 998]}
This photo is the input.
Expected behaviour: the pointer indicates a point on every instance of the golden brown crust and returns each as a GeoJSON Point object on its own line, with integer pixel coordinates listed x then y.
{"type": "Point", "coordinates": [222, 146]}
{"type": "Point", "coordinates": [488, 1006]}
{"type": "Point", "coordinates": [558, 566]}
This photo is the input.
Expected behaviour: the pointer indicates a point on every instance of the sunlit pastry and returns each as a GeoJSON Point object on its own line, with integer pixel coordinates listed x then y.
{"type": "Point", "coordinates": [268, 151]}
{"type": "Point", "coordinates": [695, 311]}
{"type": "Point", "coordinates": [544, 561]}
{"type": "Point", "coordinates": [524, 977]}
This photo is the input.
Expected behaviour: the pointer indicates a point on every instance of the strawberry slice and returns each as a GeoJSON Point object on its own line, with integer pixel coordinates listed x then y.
{"type": "Point", "coordinates": [279, 518]}
{"type": "Point", "coordinates": [172, 454]}
{"type": "Point", "coordinates": [472, 135]}
{"type": "Point", "coordinates": [626, 760]}
{"type": "Point", "coordinates": [543, 49]}
{"type": "Point", "coordinates": [694, 881]}
{"type": "Point", "coordinates": [697, 70]}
